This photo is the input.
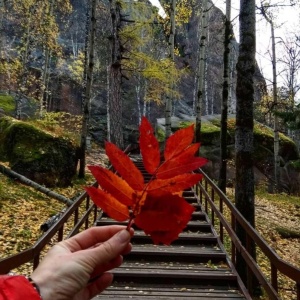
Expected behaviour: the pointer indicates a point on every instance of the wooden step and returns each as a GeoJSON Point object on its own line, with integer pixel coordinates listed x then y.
{"type": "Point", "coordinates": [171, 277]}
{"type": "Point", "coordinates": [124, 290]}
{"type": "Point", "coordinates": [184, 239]}
{"type": "Point", "coordinates": [193, 267]}
{"type": "Point", "coordinates": [193, 226]}
{"type": "Point", "coordinates": [196, 254]}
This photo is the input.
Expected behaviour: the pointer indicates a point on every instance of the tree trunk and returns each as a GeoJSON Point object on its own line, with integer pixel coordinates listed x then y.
{"type": "Point", "coordinates": [23, 77]}
{"type": "Point", "coordinates": [201, 69]}
{"type": "Point", "coordinates": [169, 100]}
{"type": "Point", "coordinates": [35, 185]}
{"type": "Point", "coordinates": [224, 112]}
{"type": "Point", "coordinates": [43, 97]}
{"type": "Point", "coordinates": [89, 81]}
{"type": "Point", "coordinates": [244, 189]}
{"type": "Point", "coordinates": [86, 52]}
{"type": "Point", "coordinates": [276, 122]}
{"type": "Point", "coordinates": [114, 98]}
{"type": "Point", "coordinates": [276, 175]}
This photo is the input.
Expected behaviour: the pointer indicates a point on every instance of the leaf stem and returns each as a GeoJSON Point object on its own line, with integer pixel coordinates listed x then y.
{"type": "Point", "coordinates": [130, 222]}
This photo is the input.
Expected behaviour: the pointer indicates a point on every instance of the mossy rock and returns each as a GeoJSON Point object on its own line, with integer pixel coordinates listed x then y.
{"type": "Point", "coordinates": [264, 138]}
{"type": "Point", "coordinates": [7, 103]}
{"type": "Point", "coordinates": [295, 164]}
{"type": "Point", "coordinates": [36, 154]}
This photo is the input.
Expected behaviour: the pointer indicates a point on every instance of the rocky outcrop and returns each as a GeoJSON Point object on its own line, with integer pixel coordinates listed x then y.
{"type": "Point", "coordinates": [263, 151]}
{"type": "Point", "coordinates": [36, 154]}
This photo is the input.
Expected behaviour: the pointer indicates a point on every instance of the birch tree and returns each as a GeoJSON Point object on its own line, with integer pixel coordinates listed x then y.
{"type": "Point", "coordinates": [201, 68]}
{"type": "Point", "coordinates": [270, 20]}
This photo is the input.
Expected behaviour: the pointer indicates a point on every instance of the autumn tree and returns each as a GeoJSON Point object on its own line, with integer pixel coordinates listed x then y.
{"type": "Point", "coordinates": [178, 13]}
{"type": "Point", "coordinates": [244, 188]}
{"type": "Point", "coordinates": [37, 33]}
{"type": "Point", "coordinates": [152, 73]}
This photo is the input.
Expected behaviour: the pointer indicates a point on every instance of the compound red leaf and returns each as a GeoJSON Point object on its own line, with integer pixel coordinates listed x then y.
{"type": "Point", "coordinates": [124, 166]}
{"type": "Point", "coordinates": [109, 204]}
{"type": "Point", "coordinates": [175, 184]}
{"type": "Point", "coordinates": [178, 142]}
{"type": "Point", "coordinates": [113, 184]}
{"type": "Point", "coordinates": [183, 163]}
{"type": "Point", "coordinates": [149, 147]}
{"type": "Point", "coordinates": [164, 216]}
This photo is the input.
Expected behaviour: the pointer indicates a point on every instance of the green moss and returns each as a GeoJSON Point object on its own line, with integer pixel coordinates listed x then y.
{"type": "Point", "coordinates": [296, 164]}
{"type": "Point", "coordinates": [185, 124]}
{"type": "Point", "coordinates": [210, 134]}
{"type": "Point", "coordinates": [35, 153]}
{"type": "Point", "coordinates": [160, 135]}
{"type": "Point", "coordinates": [7, 103]}
{"type": "Point", "coordinates": [264, 136]}
{"type": "Point", "coordinates": [287, 233]}
{"type": "Point", "coordinates": [22, 140]}
{"type": "Point", "coordinates": [215, 121]}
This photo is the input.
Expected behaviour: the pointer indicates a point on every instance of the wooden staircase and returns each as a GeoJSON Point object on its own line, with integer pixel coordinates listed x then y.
{"type": "Point", "coordinates": [194, 267]}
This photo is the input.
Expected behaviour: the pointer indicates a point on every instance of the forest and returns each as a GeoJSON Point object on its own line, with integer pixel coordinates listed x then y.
{"type": "Point", "coordinates": [93, 69]}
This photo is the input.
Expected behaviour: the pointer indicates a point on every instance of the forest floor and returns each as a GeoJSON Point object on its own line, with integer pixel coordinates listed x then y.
{"type": "Point", "coordinates": [23, 210]}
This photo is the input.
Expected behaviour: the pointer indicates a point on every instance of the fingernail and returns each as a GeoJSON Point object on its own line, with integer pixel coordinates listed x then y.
{"type": "Point", "coordinates": [123, 236]}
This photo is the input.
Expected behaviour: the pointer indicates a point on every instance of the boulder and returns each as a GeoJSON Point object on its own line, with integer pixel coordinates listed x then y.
{"type": "Point", "coordinates": [37, 154]}
{"type": "Point", "coordinates": [263, 154]}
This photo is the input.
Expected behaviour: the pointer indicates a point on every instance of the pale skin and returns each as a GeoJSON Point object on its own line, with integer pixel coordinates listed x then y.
{"type": "Point", "coordinates": [78, 268]}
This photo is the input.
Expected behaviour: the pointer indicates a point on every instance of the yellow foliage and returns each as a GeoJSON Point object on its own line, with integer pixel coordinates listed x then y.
{"type": "Point", "coordinates": [77, 67]}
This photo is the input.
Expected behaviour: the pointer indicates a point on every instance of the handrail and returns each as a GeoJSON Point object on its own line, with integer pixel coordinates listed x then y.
{"type": "Point", "coordinates": [277, 264]}
{"type": "Point", "coordinates": [33, 253]}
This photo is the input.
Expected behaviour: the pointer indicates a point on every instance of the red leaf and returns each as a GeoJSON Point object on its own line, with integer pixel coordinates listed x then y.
{"type": "Point", "coordinates": [149, 147]}
{"type": "Point", "coordinates": [175, 184]}
{"type": "Point", "coordinates": [124, 166]}
{"type": "Point", "coordinates": [178, 142]}
{"type": "Point", "coordinates": [164, 216]}
{"type": "Point", "coordinates": [113, 184]}
{"type": "Point", "coordinates": [109, 204]}
{"type": "Point", "coordinates": [182, 163]}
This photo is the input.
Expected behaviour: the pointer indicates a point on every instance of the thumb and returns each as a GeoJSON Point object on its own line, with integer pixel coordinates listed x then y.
{"type": "Point", "coordinates": [111, 248]}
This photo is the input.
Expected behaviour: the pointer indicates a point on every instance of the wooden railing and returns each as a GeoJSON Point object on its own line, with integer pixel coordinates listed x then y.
{"type": "Point", "coordinates": [225, 217]}
{"type": "Point", "coordinates": [84, 214]}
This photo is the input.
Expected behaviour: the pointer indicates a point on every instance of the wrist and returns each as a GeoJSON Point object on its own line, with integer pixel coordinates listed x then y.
{"type": "Point", "coordinates": [45, 291]}
{"type": "Point", "coordinates": [35, 286]}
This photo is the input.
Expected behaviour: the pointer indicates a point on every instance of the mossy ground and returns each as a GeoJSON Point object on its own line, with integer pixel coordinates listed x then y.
{"type": "Point", "coordinates": [7, 103]}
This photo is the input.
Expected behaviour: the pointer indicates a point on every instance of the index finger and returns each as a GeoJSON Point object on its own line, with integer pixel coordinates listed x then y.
{"type": "Point", "coordinates": [91, 237]}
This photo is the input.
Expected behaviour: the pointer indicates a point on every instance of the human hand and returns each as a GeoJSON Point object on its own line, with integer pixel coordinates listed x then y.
{"type": "Point", "coordinates": [70, 265]}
